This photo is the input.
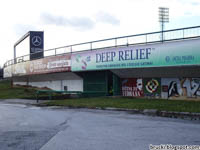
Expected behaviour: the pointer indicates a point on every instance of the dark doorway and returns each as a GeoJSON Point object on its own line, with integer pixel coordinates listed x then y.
{"type": "Point", "coordinates": [110, 83]}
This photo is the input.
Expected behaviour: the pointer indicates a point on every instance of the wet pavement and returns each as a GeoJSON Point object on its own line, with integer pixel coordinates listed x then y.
{"type": "Point", "coordinates": [25, 127]}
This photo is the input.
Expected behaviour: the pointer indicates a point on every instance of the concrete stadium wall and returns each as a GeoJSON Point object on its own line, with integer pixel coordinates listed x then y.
{"type": "Point", "coordinates": [166, 88]}
{"type": "Point", "coordinates": [55, 81]}
{"type": "Point", "coordinates": [127, 84]}
{"type": "Point", "coordinates": [160, 72]}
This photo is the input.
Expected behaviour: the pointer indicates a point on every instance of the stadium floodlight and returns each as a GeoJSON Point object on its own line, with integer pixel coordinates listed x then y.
{"type": "Point", "coordinates": [163, 18]}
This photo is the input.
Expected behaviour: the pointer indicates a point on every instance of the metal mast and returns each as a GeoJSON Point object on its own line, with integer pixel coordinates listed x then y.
{"type": "Point", "coordinates": [163, 18]}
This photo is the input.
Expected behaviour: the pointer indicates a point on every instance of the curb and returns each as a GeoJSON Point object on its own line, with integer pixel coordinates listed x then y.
{"type": "Point", "coordinates": [155, 112]}
{"type": "Point", "coordinates": [149, 112]}
{"type": "Point", "coordinates": [181, 115]}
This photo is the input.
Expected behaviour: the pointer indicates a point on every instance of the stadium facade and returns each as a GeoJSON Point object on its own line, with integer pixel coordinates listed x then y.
{"type": "Point", "coordinates": [135, 66]}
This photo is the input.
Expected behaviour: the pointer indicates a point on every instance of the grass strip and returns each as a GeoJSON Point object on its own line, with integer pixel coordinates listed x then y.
{"type": "Point", "coordinates": [8, 92]}
{"type": "Point", "coordinates": [130, 103]}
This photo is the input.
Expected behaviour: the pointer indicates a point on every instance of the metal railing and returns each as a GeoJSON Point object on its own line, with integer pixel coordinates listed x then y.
{"type": "Point", "coordinates": [153, 37]}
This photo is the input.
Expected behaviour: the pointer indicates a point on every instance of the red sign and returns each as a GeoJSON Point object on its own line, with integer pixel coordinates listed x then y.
{"type": "Point", "coordinates": [132, 87]}
{"type": "Point", "coordinates": [50, 64]}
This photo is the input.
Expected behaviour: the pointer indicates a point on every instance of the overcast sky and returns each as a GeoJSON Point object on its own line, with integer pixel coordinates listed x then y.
{"type": "Point", "coordinates": [66, 22]}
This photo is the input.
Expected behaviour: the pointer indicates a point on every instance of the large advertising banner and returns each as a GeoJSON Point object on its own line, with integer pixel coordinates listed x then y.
{"type": "Point", "coordinates": [180, 87]}
{"type": "Point", "coordinates": [16, 70]}
{"type": "Point", "coordinates": [40, 66]}
{"type": "Point", "coordinates": [152, 87]}
{"type": "Point", "coordinates": [20, 69]}
{"type": "Point", "coordinates": [50, 65]}
{"type": "Point", "coordinates": [177, 53]}
{"type": "Point", "coordinates": [7, 72]}
{"type": "Point", "coordinates": [132, 87]}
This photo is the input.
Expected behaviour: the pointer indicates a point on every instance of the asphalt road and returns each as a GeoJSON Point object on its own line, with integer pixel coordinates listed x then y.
{"type": "Point", "coordinates": [25, 127]}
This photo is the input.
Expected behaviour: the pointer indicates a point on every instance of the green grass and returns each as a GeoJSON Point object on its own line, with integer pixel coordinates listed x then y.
{"type": "Point", "coordinates": [7, 92]}
{"type": "Point", "coordinates": [130, 103]}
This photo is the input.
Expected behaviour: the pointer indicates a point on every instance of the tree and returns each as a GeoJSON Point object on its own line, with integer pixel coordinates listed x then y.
{"type": "Point", "coordinates": [1, 72]}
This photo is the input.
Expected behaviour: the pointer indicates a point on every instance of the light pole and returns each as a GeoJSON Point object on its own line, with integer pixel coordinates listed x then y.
{"type": "Point", "coordinates": [163, 18]}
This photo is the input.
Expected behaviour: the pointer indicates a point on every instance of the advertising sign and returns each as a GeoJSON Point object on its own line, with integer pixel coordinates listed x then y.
{"type": "Point", "coordinates": [181, 87]}
{"type": "Point", "coordinates": [50, 64]}
{"type": "Point", "coordinates": [40, 66]}
{"type": "Point", "coordinates": [20, 69]}
{"type": "Point", "coordinates": [36, 44]}
{"type": "Point", "coordinates": [152, 87]}
{"type": "Point", "coordinates": [7, 72]}
{"type": "Point", "coordinates": [132, 87]}
{"type": "Point", "coordinates": [152, 55]}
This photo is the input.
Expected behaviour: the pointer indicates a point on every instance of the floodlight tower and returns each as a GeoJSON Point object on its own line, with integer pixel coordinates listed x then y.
{"type": "Point", "coordinates": [163, 18]}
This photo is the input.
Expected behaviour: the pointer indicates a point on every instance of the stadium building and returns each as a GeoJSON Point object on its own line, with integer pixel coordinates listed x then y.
{"type": "Point", "coordinates": [142, 65]}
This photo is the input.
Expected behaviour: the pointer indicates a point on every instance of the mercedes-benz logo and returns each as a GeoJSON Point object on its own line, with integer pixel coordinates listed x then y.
{"type": "Point", "coordinates": [36, 40]}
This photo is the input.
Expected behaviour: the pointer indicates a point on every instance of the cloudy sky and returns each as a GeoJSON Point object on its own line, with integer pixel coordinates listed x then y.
{"type": "Point", "coordinates": [66, 22]}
